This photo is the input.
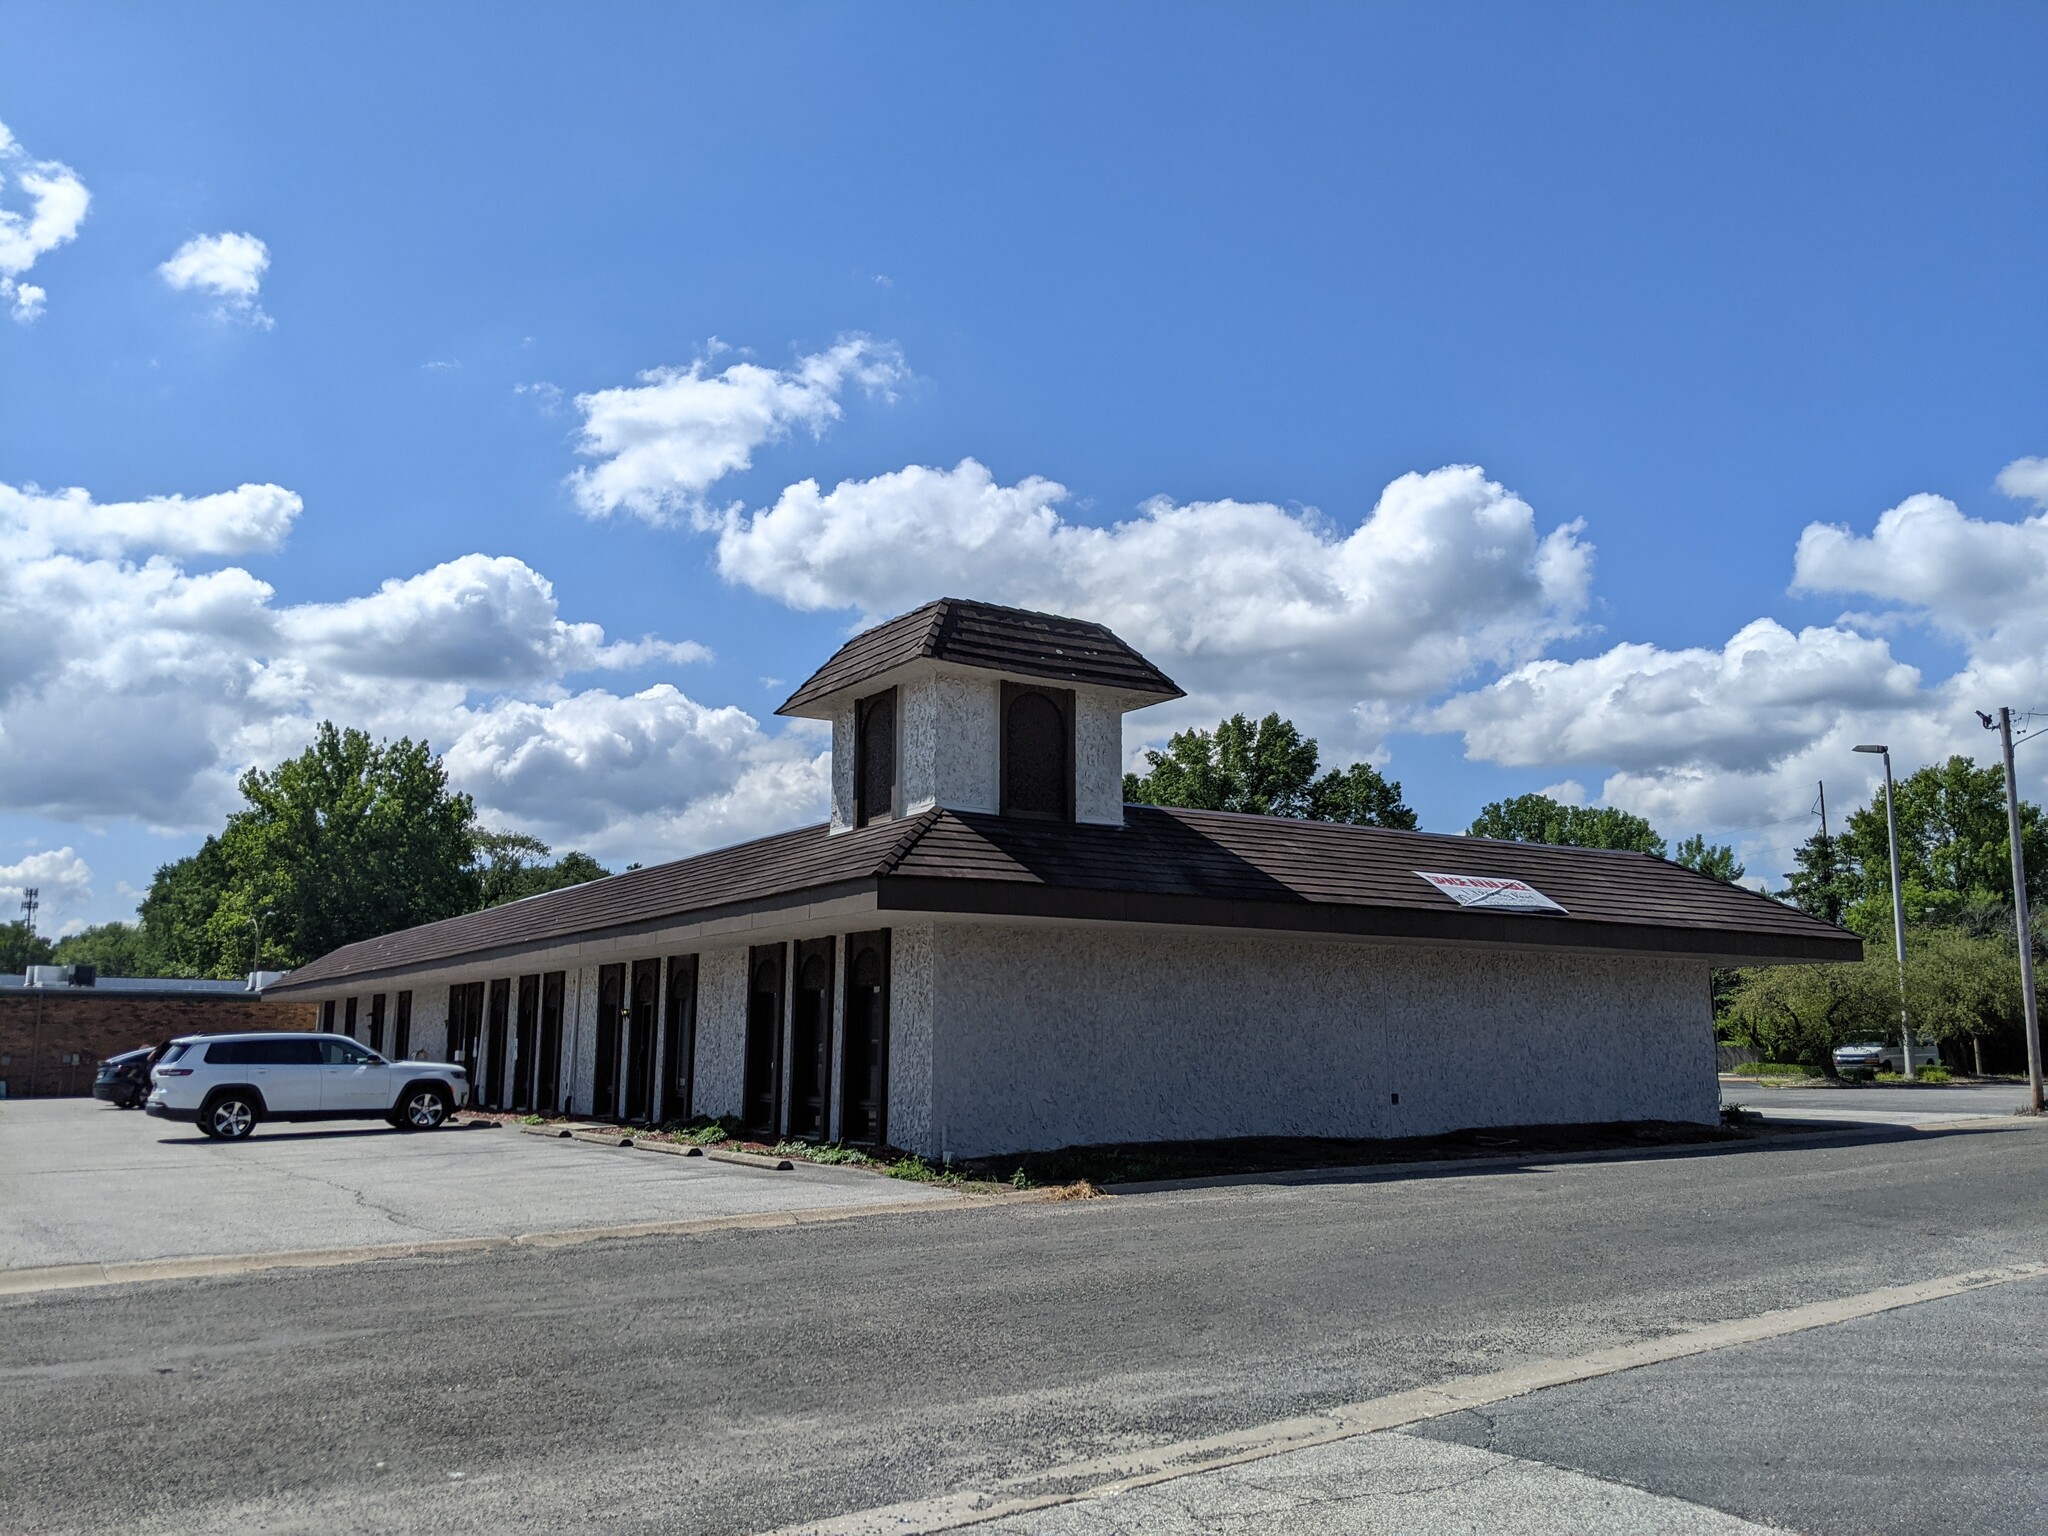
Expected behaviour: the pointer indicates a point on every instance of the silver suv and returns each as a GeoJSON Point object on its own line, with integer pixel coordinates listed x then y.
{"type": "Point", "coordinates": [226, 1083]}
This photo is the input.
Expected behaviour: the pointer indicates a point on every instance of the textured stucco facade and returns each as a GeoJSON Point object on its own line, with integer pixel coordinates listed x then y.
{"type": "Point", "coordinates": [1099, 756]}
{"type": "Point", "coordinates": [1051, 1036]}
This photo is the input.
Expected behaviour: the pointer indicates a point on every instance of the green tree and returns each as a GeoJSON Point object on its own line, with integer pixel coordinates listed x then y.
{"type": "Point", "coordinates": [111, 949]}
{"type": "Point", "coordinates": [512, 865]}
{"type": "Point", "coordinates": [1264, 768]}
{"type": "Point", "coordinates": [1800, 1013]}
{"type": "Point", "coordinates": [1953, 847]}
{"type": "Point", "coordinates": [1540, 819]}
{"type": "Point", "coordinates": [350, 839]}
{"type": "Point", "coordinates": [21, 948]}
{"type": "Point", "coordinates": [1713, 859]}
{"type": "Point", "coordinates": [1823, 884]}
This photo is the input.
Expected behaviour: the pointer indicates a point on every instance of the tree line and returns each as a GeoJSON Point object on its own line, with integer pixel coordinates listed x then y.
{"type": "Point", "coordinates": [354, 838]}
{"type": "Point", "coordinates": [350, 839]}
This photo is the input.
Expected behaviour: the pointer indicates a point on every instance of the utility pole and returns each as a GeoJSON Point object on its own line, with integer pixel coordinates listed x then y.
{"type": "Point", "coordinates": [2019, 907]}
{"type": "Point", "coordinates": [31, 899]}
{"type": "Point", "coordinates": [1891, 822]}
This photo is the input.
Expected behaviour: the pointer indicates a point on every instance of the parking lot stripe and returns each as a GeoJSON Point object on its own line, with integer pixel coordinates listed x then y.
{"type": "Point", "coordinates": [1104, 1477]}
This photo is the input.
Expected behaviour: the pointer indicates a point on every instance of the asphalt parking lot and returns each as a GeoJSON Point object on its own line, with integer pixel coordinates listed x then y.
{"type": "Point", "coordinates": [82, 1183]}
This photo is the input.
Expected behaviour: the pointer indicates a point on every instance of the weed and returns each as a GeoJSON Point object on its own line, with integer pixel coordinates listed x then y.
{"type": "Point", "coordinates": [1019, 1180]}
{"type": "Point", "coordinates": [814, 1153]}
{"type": "Point", "coordinates": [918, 1171]}
{"type": "Point", "coordinates": [533, 1119]}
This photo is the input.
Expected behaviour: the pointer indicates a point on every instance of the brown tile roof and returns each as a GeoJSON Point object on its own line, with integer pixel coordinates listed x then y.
{"type": "Point", "coordinates": [984, 635]}
{"type": "Point", "coordinates": [1203, 868]}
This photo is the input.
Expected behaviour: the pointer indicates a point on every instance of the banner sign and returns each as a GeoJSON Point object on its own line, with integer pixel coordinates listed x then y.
{"type": "Point", "coordinates": [1489, 891]}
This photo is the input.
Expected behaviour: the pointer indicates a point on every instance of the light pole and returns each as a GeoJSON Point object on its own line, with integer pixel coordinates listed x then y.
{"type": "Point", "coordinates": [1891, 822]}
{"type": "Point", "coordinates": [256, 955]}
{"type": "Point", "coordinates": [2019, 906]}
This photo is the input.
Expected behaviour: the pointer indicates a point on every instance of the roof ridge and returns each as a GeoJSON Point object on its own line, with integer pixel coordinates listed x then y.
{"type": "Point", "coordinates": [914, 833]}
{"type": "Point", "coordinates": [934, 632]}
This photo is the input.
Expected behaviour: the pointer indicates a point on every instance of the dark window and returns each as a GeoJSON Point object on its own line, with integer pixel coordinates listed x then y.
{"type": "Point", "coordinates": [339, 1053]}
{"type": "Point", "coordinates": [466, 1025]}
{"type": "Point", "coordinates": [864, 1064]}
{"type": "Point", "coordinates": [547, 1075]}
{"type": "Point", "coordinates": [810, 1041]}
{"type": "Point", "coordinates": [377, 1021]}
{"type": "Point", "coordinates": [761, 1093]}
{"type": "Point", "coordinates": [401, 1029]}
{"type": "Point", "coordinates": [289, 1053]}
{"type": "Point", "coordinates": [327, 1016]}
{"type": "Point", "coordinates": [496, 1019]}
{"type": "Point", "coordinates": [230, 1053]}
{"type": "Point", "coordinates": [171, 1054]}
{"type": "Point", "coordinates": [611, 1019]}
{"type": "Point", "coordinates": [1038, 752]}
{"type": "Point", "coordinates": [874, 758]}
{"type": "Point", "coordinates": [348, 1018]}
{"type": "Point", "coordinates": [679, 1043]}
{"type": "Point", "coordinates": [640, 1038]}
{"type": "Point", "coordinates": [525, 1042]}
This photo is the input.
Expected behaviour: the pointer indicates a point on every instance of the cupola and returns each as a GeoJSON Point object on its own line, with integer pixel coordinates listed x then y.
{"type": "Point", "coordinates": [978, 708]}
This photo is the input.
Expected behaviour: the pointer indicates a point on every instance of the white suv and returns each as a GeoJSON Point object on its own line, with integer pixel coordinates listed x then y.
{"type": "Point", "coordinates": [226, 1083]}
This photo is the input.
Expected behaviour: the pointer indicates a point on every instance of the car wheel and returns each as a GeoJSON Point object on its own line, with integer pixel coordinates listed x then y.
{"type": "Point", "coordinates": [423, 1109]}
{"type": "Point", "coordinates": [231, 1117]}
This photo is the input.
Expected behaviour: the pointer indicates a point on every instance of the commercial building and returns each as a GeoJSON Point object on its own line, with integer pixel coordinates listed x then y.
{"type": "Point", "coordinates": [986, 950]}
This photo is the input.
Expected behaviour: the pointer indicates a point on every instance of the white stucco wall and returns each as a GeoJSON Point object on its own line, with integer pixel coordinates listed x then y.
{"type": "Point", "coordinates": [1098, 757]}
{"type": "Point", "coordinates": [429, 1023]}
{"type": "Point", "coordinates": [579, 1025]}
{"type": "Point", "coordinates": [842, 768]}
{"type": "Point", "coordinates": [721, 1031]}
{"type": "Point", "coordinates": [911, 1121]}
{"type": "Point", "coordinates": [965, 746]}
{"type": "Point", "coordinates": [917, 739]}
{"type": "Point", "coordinates": [1047, 1037]}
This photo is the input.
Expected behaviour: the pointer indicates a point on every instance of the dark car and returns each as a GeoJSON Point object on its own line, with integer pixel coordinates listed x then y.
{"type": "Point", "coordinates": [124, 1079]}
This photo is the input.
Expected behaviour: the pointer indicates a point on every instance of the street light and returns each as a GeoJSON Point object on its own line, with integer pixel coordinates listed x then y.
{"type": "Point", "coordinates": [2003, 725]}
{"type": "Point", "coordinates": [1891, 822]}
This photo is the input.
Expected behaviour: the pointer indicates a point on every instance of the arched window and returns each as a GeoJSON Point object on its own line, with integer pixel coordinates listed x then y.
{"type": "Point", "coordinates": [874, 771]}
{"type": "Point", "coordinates": [1038, 758]}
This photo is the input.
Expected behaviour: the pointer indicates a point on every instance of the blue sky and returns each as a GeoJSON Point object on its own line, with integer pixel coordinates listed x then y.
{"type": "Point", "coordinates": [1687, 288]}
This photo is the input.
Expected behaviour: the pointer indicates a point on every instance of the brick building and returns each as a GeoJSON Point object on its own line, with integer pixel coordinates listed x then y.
{"type": "Point", "coordinates": [56, 1027]}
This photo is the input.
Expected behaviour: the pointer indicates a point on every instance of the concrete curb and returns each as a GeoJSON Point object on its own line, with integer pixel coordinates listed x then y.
{"type": "Point", "coordinates": [1364, 1173]}
{"type": "Point", "coordinates": [753, 1160]}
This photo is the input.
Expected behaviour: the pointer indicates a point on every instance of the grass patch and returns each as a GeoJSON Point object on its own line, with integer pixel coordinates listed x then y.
{"type": "Point", "coordinates": [1776, 1069]}
{"type": "Point", "coordinates": [831, 1155]}
{"type": "Point", "coordinates": [1931, 1074]}
{"type": "Point", "coordinates": [533, 1119]}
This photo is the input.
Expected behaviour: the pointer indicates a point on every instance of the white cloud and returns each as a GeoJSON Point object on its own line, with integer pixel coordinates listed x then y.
{"type": "Point", "coordinates": [57, 201]}
{"type": "Point", "coordinates": [481, 620]}
{"type": "Point", "coordinates": [548, 397]}
{"type": "Point", "coordinates": [251, 519]}
{"type": "Point", "coordinates": [1736, 737]}
{"type": "Point", "coordinates": [661, 444]}
{"type": "Point", "coordinates": [230, 267]}
{"type": "Point", "coordinates": [62, 882]}
{"type": "Point", "coordinates": [142, 688]}
{"type": "Point", "coordinates": [1238, 601]}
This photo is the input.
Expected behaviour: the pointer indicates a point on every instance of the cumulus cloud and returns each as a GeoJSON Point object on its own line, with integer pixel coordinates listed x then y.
{"type": "Point", "coordinates": [1736, 736]}
{"type": "Point", "coordinates": [1448, 572]}
{"type": "Point", "coordinates": [481, 620]}
{"type": "Point", "coordinates": [62, 882]}
{"type": "Point", "coordinates": [662, 443]}
{"type": "Point", "coordinates": [229, 267]}
{"type": "Point", "coordinates": [141, 688]}
{"type": "Point", "coordinates": [251, 519]}
{"type": "Point", "coordinates": [56, 202]}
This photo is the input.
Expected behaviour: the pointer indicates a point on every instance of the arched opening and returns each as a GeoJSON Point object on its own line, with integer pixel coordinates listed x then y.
{"type": "Point", "coordinates": [810, 1041]}
{"type": "Point", "coordinates": [874, 790]}
{"type": "Point", "coordinates": [1038, 759]}
{"type": "Point", "coordinates": [864, 1061]}
{"type": "Point", "coordinates": [762, 1093]}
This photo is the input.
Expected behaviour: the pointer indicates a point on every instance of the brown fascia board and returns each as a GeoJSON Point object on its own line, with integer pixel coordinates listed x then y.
{"type": "Point", "coordinates": [792, 904]}
{"type": "Point", "coordinates": [1497, 930]}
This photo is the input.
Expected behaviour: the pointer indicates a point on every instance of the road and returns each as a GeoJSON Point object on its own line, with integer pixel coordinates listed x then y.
{"type": "Point", "coordinates": [1891, 1104]}
{"type": "Point", "coordinates": [750, 1380]}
